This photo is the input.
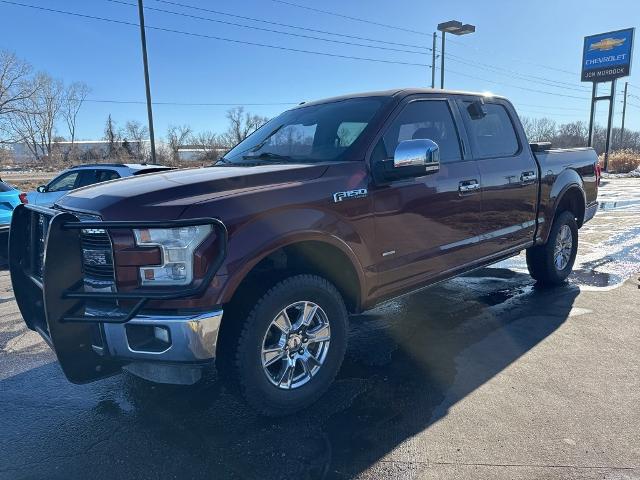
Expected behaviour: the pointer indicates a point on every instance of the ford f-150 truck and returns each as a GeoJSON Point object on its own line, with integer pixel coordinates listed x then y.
{"type": "Point", "coordinates": [257, 261]}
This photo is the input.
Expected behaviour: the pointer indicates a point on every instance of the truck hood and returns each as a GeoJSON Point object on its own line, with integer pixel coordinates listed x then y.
{"type": "Point", "coordinates": [165, 195]}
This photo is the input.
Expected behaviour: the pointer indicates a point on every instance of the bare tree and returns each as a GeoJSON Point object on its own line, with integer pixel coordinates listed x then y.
{"type": "Point", "coordinates": [177, 136]}
{"type": "Point", "coordinates": [539, 129]}
{"type": "Point", "coordinates": [34, 121]}
{"type": "Point", "coordinates": [74, 97]}
{"type": "Point", "coordinates": [136, 134]}
{"type": "Point", "coordinates": [15, 83]}
{"type": "Point", "coordinates": [112, 137]}
{"type": "Point", "coordinates": [573, 134]}
{"type": "Point", "coordinates": [209, 143]}
{"type": "Point", "coordinates": [241, 125]}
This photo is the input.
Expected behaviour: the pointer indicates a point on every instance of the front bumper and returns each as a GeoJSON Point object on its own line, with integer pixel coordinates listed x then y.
{"type": "Point", "coordinates": [190, 338]}
{"type": "Point", "coordinates": [47, 268]}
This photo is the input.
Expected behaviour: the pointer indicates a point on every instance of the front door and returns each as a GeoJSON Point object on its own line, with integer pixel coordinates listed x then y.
{"type": "Point", "coordinates": [509, 175]}
{"type": "Point", "coordinates": [425, 226]}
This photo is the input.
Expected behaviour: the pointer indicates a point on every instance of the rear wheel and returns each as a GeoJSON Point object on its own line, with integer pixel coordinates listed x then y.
{"type": "Point", "coordinates": [552, 262]}
{"type": "Point", "coordinates": [291, 345]}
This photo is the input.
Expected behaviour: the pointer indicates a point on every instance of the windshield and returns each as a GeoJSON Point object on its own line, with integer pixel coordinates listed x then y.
{"type": "Point", "coordinates": [316, 133]}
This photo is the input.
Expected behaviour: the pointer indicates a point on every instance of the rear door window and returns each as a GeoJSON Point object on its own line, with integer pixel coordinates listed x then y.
{"type": "Point", "coordinates": [492, 135]}
{"type": "Point", "coordinates": [425, 119]}
{"type": "Point", "coordinates": [87, 177]}
{"type": "Point", "coordinates": [105, 175]}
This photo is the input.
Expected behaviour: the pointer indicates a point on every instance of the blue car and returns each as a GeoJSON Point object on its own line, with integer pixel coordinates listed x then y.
{"type": "Point", "coordinates": [10, 198]}
{"type": "Point", "coordinates": [83, 175]}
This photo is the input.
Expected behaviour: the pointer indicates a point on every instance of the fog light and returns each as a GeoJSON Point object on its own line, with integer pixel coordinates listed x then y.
{"type": "Point", "coordinates": [161, 333]}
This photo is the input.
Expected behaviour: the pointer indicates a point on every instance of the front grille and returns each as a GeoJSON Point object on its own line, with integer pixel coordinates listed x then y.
{"type": "Point", "coordinates": [97, 262]}
{"type": "Point", "coordinates": [97, 257]}
{"type": "Point", "coordinates": [39, 228]}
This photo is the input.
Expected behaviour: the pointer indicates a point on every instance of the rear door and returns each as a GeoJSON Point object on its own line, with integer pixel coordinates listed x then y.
{"type": "Point", "coordinates": [509, 176]}
{"type": "Point", "coordinates": [425, 225]}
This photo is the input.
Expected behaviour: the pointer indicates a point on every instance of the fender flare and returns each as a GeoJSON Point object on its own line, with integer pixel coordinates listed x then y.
{"type": "Point", "coordinates": [236, 277]}
{"type": "Point", "coordinates": [559, 189]}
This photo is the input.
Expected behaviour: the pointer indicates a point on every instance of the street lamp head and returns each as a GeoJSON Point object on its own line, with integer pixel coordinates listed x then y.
{"type": "Point", "coordinates": [456, 27]}
{"type": "Point", "coordinates": [450, 26]}
{"type": "Point", "coordinates": [466, 28]}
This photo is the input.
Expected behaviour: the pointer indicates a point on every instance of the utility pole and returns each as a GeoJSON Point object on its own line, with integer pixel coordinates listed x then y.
{"type": "Point", "coordinates": [624, 112]}
{"type": "Point", "coordinates": [143, 39]}
{"type": "Point", "coordinates": [607, 145]}
{"type": "Point", "coordinates": [433, 61]}
{"type": "Point", "coordinates": [442, 61]}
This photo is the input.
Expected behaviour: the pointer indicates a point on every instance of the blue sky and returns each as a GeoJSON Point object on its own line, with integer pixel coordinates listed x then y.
{"type": "Point", "coordinates": [518, 48]}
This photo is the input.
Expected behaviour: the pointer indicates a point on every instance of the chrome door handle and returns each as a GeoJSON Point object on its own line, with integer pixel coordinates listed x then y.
{"type": "Point", "coordinates": [527, 177]}
{"type": "Point", "coordinates": [467, 186]}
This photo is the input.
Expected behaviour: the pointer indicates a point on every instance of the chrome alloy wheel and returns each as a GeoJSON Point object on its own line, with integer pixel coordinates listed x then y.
{"type": "Point", "coordinates": [563, 248]}
{"type": "Point", "coordinates": [295, 345]}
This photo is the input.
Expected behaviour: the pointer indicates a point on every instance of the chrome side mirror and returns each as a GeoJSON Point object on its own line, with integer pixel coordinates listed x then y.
{"type": "Point", "coordinates": [41, 189]}
{"type": "Point", "coordinates": [422, 153]}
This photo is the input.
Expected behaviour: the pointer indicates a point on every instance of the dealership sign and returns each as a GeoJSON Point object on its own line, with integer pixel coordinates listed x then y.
{"type": "Point", "coordinates": [607, 56]}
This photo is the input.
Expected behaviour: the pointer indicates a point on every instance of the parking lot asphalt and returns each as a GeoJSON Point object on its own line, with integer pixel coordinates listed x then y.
{"type": "Point", "coordinates": [484, 376]}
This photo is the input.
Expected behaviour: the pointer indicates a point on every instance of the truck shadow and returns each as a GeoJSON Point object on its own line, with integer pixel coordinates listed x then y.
{"type": "Point", "coordinates": [408, 363]}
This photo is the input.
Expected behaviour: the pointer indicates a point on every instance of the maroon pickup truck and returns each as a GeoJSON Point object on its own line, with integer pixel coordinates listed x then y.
{"type": "Point", "coordinates": [256, 262]}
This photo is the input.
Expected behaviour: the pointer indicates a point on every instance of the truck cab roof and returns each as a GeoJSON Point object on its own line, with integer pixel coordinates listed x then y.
{"type": "Point", "coordinates": [400, 93]}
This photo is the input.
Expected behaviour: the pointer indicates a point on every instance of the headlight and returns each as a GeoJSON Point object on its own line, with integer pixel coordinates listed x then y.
{"type": "Point", "coordinates": [177, 246]}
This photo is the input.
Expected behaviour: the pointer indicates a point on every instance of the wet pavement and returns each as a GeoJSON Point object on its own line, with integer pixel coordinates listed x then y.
{"type": "Point", "coordinates": [485, 376]}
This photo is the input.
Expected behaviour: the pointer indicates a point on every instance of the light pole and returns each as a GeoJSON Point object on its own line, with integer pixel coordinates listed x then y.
{"type": "Point", "coordinates": [457, 28]}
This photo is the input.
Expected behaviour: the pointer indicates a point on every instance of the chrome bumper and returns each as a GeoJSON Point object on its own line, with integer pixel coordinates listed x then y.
{"type": "Point", "coordinates": [192, 338]}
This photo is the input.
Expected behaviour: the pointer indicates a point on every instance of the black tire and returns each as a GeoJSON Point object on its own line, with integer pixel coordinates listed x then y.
{"type": "Point", "coordinates": [254, 383]}
{"type": "Point", "coordinates": [541, 260]}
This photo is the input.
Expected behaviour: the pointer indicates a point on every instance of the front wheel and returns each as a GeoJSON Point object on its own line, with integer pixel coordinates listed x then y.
{"type": "Point", "coordinates": [551, 263]}
{"type": "Point", "coordinates": [291, 345]}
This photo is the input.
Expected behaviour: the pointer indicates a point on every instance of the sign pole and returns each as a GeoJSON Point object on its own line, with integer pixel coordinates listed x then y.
{"type": "Point", "coordinates": [594, 90]}
{"type": "Point", "coordinates": [607, 145]}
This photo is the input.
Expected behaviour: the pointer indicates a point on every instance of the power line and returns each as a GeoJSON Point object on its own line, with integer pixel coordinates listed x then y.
{"type": "Point", "coordinates": [492, 68]}
{"type": "Point", "coordinates": [362, 20]}
{"type": "Point", "coordinates": [286, 25]}
{"type": "Point", "coordinates": [516, 86]}
{"type": "Point", "coordinates": [548, 106]}
{"type": "Point", "coordinates": [550, 114]}
{"type": "Point", "coordinates": [191, 104]}
{"type": "Point", "coordinates": [212, 37]}
{"type": "Point", "coordinates": [568, 72]}
{"type": "Point", "coordinates": [516, 74]}
{"type": "Point", "coordinates": [277, 47]}
{"type": "Point", "coordinates": [270, 30]}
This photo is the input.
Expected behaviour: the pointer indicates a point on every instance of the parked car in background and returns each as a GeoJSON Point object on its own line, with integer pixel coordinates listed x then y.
{"type": "Point", "coordinates": [83, 175]}
{"type": "Point", "coordinates": [10, 198]}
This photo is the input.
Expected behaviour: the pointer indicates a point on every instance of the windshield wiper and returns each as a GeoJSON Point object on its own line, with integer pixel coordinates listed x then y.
{"type": "Point", "coordinates": [266, 156]}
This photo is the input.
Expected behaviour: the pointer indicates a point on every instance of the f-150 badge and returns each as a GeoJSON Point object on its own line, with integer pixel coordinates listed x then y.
{"type": "Point", "coordinates": [340, 196]}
